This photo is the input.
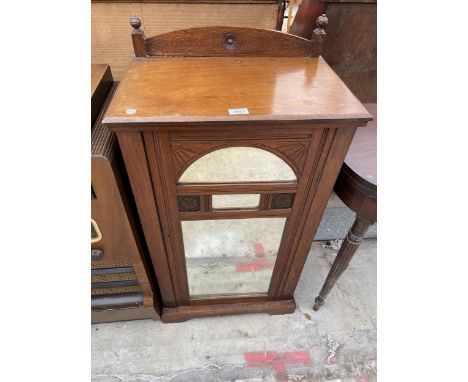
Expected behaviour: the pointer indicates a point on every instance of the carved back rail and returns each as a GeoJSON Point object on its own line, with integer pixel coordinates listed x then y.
{"type": "Point", "coordinates": [227, 41]}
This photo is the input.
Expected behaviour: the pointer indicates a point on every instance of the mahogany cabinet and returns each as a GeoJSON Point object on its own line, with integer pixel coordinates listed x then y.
{"type": "Point", "coordinates": [232, 151]}
{"type": "Point", "coordinates": [122, 287]}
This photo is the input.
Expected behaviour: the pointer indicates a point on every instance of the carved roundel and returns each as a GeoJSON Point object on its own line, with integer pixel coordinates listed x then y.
{"type": "Point", "coordinates": [280, 201]}
{"type": "Point", "coordinates": [230, 42]}
{"type": "Point", "coordinates": [189, 203]}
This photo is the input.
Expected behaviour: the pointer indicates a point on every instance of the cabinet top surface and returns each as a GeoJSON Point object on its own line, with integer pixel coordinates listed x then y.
{"type": "Point", "coordinates": [97, 74]}
{"type": "Point", "coordinates": [200, 89]}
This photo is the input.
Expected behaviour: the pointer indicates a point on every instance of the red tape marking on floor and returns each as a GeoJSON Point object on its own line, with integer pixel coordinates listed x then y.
{"type": "Point", "coordinates": [277, 361]}
{"type": "Point", "coordinates": [362, 379]}
{"type": "Point", "coordinates": [259, 249]}
{"type": "Point", "coordinates": [258, 264]}
{"type": "Point", "coordinates": [254, 266]}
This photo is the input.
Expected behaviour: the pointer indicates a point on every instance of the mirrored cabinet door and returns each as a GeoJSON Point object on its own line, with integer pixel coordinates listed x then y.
{"type": "Point", "coordinates": [231, 256]}
{"type": "Point", "coordinates": [231, 241]}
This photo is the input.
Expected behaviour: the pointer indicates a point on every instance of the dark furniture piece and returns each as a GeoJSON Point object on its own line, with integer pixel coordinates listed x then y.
{"type": "Point", "coordinates": [357, 188]}
{"type": "Point", "coordinates": [304, 21]}
{"type": "Point", "coordinates": [101, 82]}
{"type": "Point", "coordinates": [351, 45]}
{"type": "Point", "coordinates": [230, 172]}
{"type": "Point", "coordinates": [122, 287]}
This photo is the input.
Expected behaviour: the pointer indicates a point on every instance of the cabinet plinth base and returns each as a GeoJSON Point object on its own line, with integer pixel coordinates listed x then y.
{"type": "Point", "coordinates": [184, 313]}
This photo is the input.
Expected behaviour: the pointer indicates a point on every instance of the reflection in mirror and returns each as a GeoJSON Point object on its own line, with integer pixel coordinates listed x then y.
{"type": "Point", "coordinates": [231, 256]}
{"type": "Point", "coordinates": [238, 164]}
{"type": "Point", "coordinates": [235, 201]}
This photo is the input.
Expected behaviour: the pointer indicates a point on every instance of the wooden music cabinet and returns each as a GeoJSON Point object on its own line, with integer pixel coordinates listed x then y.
{"type": "Point", "coordinates": [232, 152]}
{"type": "Point", "coordinates": [122, 287]}
{"type": "Point", "coordinates": [110, 43]}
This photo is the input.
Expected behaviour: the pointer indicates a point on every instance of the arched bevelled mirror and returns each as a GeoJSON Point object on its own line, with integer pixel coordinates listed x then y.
{"type": "Point", "coordinates": [238, 164]}
{"type": "Point", "coordinates": [232, 233]}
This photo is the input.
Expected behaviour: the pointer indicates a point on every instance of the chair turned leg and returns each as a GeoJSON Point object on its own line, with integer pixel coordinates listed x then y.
{"type": "Point", "coordinates": [344, 256]}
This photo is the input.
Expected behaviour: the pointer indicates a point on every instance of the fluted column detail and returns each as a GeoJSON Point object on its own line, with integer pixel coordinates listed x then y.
{"type": "Point", "coordinates": [345, 254]}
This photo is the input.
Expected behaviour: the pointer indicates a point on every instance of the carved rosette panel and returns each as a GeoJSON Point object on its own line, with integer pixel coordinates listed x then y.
{"type": "Point", "coordinates": [230, 42]}
{"type": "Point", "coordinates": [189, 203]}
{"type": "Point", "coordinates": [282, 201]}
{"type": "Point", "coordinates": [222, 41]}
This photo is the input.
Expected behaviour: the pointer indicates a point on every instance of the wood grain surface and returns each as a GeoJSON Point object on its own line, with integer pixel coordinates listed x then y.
{"type": "Point", "coordinates": [362, 154]}
{"type": "Point", "coordinates": [98, 73]}
{"type": "Point", "coordinates": [356, 185]}
{"type": "Point", "coordinates": [227, 41]}
{"type": "Point", "coordinates": [304, 21]}
{"type": "Point", "coordinates": [111, 315]}
{"type": "Point", "coordinates": [101, 82]}
{"type": "Point", "coordinates": [112, 209]}
{"type": "Point", "coordinates": [351, 46]}
{"type": "Point", "coordinates": [200, 89]}
{"type": "Point", "coordinates": [169, 111]}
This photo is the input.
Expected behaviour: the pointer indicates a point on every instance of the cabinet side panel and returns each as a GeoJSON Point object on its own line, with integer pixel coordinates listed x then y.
{"type": "Point", "coordinates": [136, 164]}
{"type": "Point", "coordinates": [162, 173]}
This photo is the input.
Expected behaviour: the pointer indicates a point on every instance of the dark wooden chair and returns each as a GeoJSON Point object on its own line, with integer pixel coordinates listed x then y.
{"type": "Point", "coordinates": [227, 41]}
{"type": "Point", "coordinates": [356, 186]}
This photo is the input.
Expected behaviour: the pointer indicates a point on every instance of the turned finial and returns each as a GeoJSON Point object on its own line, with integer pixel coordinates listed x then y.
{"type": "Point", "coordinates": [138, 37]}
{"type": "Point", "coordinates": [135, 22]}
{"type": "Point", "coordinates": [318, 35]}
{"type": "Point", "coordinates": [322, 21]}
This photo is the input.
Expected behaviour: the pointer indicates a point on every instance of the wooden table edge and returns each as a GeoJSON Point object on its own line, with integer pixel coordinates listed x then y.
{"type": "Point", "coordinates": [335, 118]}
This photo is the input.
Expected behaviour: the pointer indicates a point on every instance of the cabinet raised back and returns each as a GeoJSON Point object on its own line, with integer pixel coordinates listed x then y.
{"type": "Point", "coordinates": [222, 41]}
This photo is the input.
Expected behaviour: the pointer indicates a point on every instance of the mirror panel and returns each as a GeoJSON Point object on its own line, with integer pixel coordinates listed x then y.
{"type": "Point", "coordinates": [231, 256]}
{"type": "Point", "coordinates": [235, 201]}
{"type": "Point", "coordinates": [238, 164]}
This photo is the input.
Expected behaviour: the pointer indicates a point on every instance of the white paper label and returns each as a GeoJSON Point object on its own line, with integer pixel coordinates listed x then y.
{"type": "Point", "coordinates": [241, 111]}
